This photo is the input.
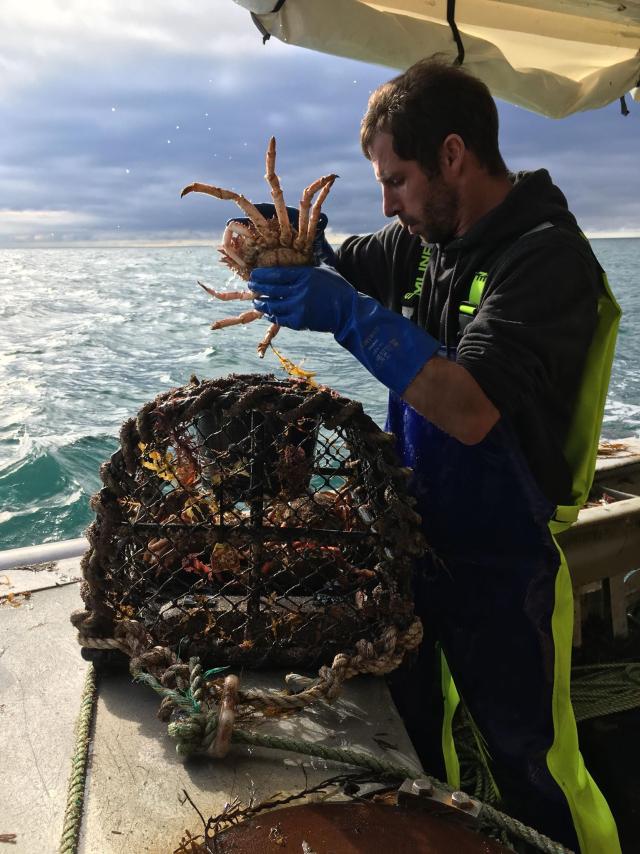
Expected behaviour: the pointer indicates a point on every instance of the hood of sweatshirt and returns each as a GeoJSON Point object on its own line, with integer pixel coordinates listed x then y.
{"type": "Point", "coordinates": [533, 200]}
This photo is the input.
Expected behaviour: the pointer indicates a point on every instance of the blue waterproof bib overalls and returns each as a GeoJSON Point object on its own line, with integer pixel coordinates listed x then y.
{"type": "Point", "coordinates": [495, 592]}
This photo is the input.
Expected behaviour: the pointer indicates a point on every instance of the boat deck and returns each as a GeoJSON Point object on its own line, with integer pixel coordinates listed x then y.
{"type": "Point", "coordinates": [136, 782]}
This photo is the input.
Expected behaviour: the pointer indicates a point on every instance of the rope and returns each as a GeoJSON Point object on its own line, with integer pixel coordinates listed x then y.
{"type": "Point", "coordinates": [521, 831]}
{"type": "Point", "coordinates": [195, 730]}
{"type": "Point", "coordinates": [77, 779]}
{"type": "Point", "coordinates": [605, 689]}
{"type": "Point", "coordinates": [376, 659]}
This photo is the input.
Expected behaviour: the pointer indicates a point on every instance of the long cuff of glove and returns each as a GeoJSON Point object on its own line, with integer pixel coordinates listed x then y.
{"type": "Point", "coordinates": [389, 346]}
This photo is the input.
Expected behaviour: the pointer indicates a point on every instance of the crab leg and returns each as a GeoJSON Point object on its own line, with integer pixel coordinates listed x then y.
{"type": "Point", "coordinates": [245, 317]}
{"type": "Point", "coordinates": [305, 203]}
{"type": "Point", "coordinates": [227, 295]}
{"type": "Point", "coordinates": [243, 203]}
{"type": "Point", "coordinates": [272, 331]}
{"type": "Point", "coordinates": [277, 194]}
{"type": "Point", "coordinates": [315, 213]}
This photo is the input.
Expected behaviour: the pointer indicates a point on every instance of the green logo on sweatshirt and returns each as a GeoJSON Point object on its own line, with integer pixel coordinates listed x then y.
{"type": "Point", "coordinates": [422, 266]}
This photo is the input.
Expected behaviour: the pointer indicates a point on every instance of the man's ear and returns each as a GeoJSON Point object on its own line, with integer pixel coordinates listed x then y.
{"type": "Point", "coordinates": [452, 153]}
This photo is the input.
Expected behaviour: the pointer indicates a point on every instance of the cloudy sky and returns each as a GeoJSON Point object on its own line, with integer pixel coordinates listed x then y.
{"type": "Point", "coordinates": [109, 108]}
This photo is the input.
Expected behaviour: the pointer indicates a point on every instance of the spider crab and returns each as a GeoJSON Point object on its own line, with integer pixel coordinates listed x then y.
{"type": "Point", "coordinates": [265, 242]}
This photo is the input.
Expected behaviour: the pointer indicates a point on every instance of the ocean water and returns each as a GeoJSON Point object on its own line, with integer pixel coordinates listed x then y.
{"type": "Point", "coordinates": [87, 336]}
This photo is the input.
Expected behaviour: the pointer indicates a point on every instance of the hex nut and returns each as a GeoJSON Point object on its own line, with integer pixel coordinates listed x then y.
{"type": "Point", "coordinates": [421, 787]}
{"type": "Point", "coordinates": [460, 800]}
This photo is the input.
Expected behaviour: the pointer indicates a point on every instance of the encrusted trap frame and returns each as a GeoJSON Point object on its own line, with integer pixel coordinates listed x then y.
{"type": "Point", "coordinates": [252, 521]}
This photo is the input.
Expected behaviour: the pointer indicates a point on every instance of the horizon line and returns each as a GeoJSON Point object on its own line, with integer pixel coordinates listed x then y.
{"type": "Point", "coordinates": [335, 238]}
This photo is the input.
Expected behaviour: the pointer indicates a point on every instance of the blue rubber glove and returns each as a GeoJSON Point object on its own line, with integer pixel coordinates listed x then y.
{"type": "Point", "coordinates": [389, 346]}
{"type": "Point", "coordinates": [322, 250]}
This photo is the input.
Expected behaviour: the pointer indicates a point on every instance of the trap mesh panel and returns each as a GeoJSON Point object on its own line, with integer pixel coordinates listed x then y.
{"type": "Point", "coordinates": [255, 521]}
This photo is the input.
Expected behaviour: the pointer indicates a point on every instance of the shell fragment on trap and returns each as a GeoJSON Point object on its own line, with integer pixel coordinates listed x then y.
{"type": "Point", "coordinates": [251, 521]}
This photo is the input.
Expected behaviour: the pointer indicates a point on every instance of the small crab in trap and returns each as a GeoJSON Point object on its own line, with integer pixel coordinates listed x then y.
{"type": "Point", "coordinates": [265, 242]}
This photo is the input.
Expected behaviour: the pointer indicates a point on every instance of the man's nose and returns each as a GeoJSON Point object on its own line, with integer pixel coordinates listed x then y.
{"type": "Point", "coordinates": [390, 202]}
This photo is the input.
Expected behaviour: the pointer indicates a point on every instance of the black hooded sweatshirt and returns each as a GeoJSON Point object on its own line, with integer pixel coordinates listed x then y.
{"type": "Point", "coordinates": [527, 344]}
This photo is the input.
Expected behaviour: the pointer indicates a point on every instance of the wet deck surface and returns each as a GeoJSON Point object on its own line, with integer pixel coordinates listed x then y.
{"type": "Point", "coordinates": [135, 780]}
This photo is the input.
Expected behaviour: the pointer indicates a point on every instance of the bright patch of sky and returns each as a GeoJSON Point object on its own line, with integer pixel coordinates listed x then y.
{"type": "Point", "coordinates": [110, 108]}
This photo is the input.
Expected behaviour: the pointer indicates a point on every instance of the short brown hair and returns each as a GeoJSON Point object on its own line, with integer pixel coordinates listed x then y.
{"type": "Point", "coordinates": [425, 104]}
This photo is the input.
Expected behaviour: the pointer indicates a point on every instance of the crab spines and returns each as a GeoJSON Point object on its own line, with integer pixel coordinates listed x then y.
{"type": "Point", "coordinates": [240, 269]}
{"type": "Point", "coordinates": [286, 232]}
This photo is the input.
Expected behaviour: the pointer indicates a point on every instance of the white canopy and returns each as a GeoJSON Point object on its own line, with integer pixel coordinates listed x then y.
{"type": "Point", "coordinates": [555, 57]}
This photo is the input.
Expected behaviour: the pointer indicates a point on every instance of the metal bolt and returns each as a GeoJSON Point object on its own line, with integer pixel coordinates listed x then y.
{"type": "Point", "coordinates": [460, 800]}
{"type": "Point", "coordinates": [421, 787]}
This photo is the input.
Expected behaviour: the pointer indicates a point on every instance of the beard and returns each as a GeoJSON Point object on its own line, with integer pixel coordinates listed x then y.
{"type": "Point", "coordinates": [439, 218]}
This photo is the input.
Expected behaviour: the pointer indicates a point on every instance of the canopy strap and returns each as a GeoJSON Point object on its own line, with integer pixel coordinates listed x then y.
{"type": "Point", "coordinates": [451, 20]}
{"type": "Point", "coordinates": [266, 35]}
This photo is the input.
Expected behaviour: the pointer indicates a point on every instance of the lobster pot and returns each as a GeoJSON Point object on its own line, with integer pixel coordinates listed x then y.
{"type": "Point", "coordinates": [249, 520]}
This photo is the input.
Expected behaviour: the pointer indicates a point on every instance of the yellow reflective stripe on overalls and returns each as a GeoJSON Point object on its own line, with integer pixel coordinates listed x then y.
{"type": "Point", "coordinates": [594, 824]}
{"type": "Point", "coordinates": [451, 702]}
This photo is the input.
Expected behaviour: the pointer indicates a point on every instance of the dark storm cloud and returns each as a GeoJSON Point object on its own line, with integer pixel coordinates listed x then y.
{"type": "Point", "coordinates": [100, 141]}
{"type": "Point", "coordinates": [119, 143]}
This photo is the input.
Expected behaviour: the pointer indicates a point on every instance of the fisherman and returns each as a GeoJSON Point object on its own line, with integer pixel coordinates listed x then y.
{"type": "Point", "coordinates": [485, 313]}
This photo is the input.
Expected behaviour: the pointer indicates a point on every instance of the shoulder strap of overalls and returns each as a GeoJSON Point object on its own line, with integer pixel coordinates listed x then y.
{"type": "Point", "coordinates": [468, 308]}
{"type": "Point", "coordinates": [581, 447]}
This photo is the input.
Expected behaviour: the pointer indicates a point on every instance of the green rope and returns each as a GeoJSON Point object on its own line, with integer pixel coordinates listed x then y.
{"type": "Point", "coordinates": [77, 779]}
{"type": "Point", "coordinates": [605, 689]}
{"type": "Point", "coordinates": [333, 754]}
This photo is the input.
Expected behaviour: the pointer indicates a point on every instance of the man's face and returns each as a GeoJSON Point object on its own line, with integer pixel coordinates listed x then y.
{"type": "Point", "coordinates": [427, 206]}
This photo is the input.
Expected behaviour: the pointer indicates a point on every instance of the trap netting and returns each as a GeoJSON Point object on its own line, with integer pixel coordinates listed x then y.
{"type": "Point", "coordinates": [252, 521]}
